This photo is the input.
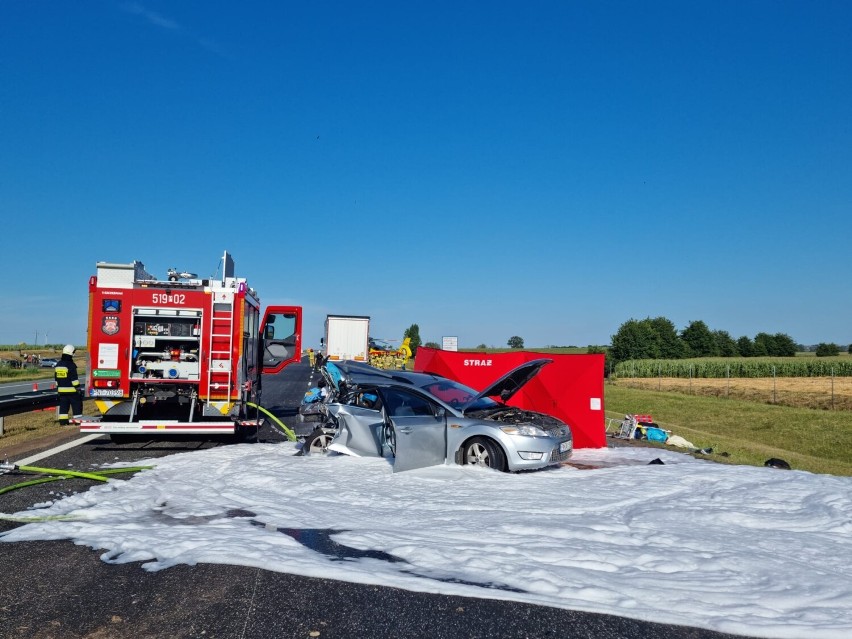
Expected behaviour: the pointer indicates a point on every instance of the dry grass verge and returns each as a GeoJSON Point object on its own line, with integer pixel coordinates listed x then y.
{"type": "Point", "coordinates": [823, 393]}
{"type": "Point", "coordinates": [29, 431]}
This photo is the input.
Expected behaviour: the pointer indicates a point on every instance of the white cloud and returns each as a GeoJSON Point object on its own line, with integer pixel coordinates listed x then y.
{"type": "Point", "coordinates": [162, 22]}
{"type": "Point", "coordinates": [151, 16]}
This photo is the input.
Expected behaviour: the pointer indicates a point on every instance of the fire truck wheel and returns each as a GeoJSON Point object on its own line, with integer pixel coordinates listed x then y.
{"type": "Point", "coordinates": [317, 443]}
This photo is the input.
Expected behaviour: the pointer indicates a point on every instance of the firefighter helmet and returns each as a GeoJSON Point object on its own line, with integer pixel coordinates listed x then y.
{"type": "Point", "coordinates": [69, 349]}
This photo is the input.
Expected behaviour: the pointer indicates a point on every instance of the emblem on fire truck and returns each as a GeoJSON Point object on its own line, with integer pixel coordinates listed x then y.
{"type": "Point", "coordinates": [110, 324]}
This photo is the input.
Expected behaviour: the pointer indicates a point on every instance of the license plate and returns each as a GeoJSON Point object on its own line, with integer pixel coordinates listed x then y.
{"type": "Point", "coordinates": [106, 392]}
{"type": "Point", "coordinates": [564, 447]}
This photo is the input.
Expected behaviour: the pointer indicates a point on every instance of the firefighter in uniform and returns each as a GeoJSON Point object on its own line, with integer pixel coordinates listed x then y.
{"type": "Point", "coordinates": [68, 386]}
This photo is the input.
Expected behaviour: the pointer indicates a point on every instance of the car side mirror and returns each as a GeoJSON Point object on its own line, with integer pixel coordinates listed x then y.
{"type": "Point", "coordinates": [440, 412]}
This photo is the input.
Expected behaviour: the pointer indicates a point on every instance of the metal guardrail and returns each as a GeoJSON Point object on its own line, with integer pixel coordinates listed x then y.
{"type": "Point", "coordinates": [26, 402]}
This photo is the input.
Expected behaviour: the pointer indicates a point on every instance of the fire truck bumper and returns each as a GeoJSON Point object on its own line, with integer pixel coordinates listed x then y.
{"type": "Point", "coordinates": [166, 427]}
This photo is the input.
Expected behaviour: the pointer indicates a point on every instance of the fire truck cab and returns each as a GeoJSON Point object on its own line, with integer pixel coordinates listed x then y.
{"type": "Point", "coordinates": [182, 355]}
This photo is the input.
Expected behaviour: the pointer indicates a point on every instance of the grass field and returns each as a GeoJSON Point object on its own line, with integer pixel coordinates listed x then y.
{"type": "Point", "coordinates": [826, 393]}
{"type": "Point", "coordinates": [19, 429]}
{"type": "Point", "coordinates": [818, 441]}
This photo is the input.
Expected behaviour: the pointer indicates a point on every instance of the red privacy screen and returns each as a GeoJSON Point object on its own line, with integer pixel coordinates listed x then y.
{"type": "Point", "coordinates": [570, 388]}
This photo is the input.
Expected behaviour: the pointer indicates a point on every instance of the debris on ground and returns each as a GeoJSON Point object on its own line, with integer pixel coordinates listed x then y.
{"type": "Point", "coordinates": [680, 442]}
{"type": "Point", "coordinates": [643, 428]}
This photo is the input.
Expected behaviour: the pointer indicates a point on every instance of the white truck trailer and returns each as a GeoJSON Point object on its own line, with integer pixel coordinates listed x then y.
{"type": "Point", "coordinates": [347, 338]}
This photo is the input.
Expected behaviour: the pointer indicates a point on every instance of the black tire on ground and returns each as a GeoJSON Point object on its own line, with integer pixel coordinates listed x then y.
{"type": "Point", "coordinates": [481, 451]}
{"type": "Point", "coordinates": [317, 443]}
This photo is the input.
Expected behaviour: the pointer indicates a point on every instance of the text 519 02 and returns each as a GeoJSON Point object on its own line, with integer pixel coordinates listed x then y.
{"type": "Point", "coordinates": [168, 298]}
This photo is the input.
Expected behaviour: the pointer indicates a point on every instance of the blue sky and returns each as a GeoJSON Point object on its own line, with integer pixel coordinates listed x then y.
{"type": "Point", "coordinates": [542, 169]}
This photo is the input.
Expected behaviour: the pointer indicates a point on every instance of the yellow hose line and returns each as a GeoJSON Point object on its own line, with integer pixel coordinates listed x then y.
{"type": "Point", "coordinates": [35, 520]}
{"type": "Point", "coordinates": [290, 434]}
{"type": "Point", "coordinates": [63, 474]}
{"type": "Point", "coordinates": [122, 469]}
{"type": "Point", "coordinates": [32, 482]}
{"type": "Point", "coordinates": [69, 473]}
{"type": "Point", "coordinates": [96, 475]}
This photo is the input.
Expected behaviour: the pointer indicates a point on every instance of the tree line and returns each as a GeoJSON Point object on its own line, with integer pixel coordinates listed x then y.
{"type": "Point", "coordinates": [658, 338]}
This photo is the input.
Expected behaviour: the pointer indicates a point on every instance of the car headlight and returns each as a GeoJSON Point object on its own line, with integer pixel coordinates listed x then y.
{"type": "Point", "coordinates": [524, 429]}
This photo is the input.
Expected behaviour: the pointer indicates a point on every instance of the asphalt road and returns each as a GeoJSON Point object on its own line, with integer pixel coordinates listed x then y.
{"type": "Point", "coordinates": [16, 388]}
{"type": "Point", "coordinates": [56, 590]}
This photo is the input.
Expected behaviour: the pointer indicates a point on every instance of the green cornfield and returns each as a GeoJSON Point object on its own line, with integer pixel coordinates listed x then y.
{"type": "Point", "coordinates": [737, 367]}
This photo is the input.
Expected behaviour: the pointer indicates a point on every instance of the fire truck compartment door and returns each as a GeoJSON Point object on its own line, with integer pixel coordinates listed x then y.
{"type": "Point", "coordinates": [281, 334]}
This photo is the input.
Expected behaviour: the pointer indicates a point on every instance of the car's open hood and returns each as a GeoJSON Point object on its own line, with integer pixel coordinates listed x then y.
{"type": "Point", "coordinates": [511, 382]}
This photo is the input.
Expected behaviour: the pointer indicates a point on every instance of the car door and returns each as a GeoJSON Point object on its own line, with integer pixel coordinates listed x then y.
{"type": "Point", "coordinates": [359, 430]}
{"type": "Point", "coordinates": [281, 330]}
{"type": "Point", "coordinates": [419, 428]}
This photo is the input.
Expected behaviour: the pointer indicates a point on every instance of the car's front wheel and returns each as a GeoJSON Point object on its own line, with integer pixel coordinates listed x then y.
{"type": "Point", "coordinates": [480, 451]}
{"type": "Point", "coordinates": [317, 443]}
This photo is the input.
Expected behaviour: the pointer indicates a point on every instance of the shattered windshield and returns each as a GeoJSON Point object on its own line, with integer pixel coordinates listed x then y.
{"type": "Point", "coordinates": [458, 395]}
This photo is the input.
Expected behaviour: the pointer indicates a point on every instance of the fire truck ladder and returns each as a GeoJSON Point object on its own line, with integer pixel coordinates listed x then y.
{"type": "Point", "coordinates": [220, 345]}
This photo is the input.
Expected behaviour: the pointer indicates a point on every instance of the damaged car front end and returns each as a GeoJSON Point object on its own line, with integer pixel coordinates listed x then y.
{"type": "Point", "coordinates": [420, 419]}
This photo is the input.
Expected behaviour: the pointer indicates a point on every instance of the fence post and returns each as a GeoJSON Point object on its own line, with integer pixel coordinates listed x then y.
{"type": "Point", "coordinates": [773, 386]}
{"type": "Point", "coordinates": [832, 391]}
{"type": "Point", "coordinates": [1, 426]}
{"type": "Point", "coordinates": [659, 375]}
{"type": "Point", "coordinates": [727, 381]}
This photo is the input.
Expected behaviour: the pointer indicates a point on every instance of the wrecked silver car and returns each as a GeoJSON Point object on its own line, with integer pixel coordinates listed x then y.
{"type": "Point", "coordinates": [420, 419]}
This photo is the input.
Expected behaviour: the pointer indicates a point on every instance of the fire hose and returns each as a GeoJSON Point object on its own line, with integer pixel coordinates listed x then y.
{"type": "Point", "coordinates": [61, 473]}
{"type": "Point", "coordinates": [287, 431]}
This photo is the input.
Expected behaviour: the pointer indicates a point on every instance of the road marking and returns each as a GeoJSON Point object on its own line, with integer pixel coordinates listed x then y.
{"type": "Point", "coordinates": [58, 449]}
{"type": "Point", "coordinates": [26, 387]}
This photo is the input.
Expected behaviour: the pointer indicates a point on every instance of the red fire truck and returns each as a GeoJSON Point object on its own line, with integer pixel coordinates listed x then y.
{"type": "Point", "coordinates": [182, 355]}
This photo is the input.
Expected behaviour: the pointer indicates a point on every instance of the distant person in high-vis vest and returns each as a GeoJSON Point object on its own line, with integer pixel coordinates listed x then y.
{"type": "Point", "coordinates": [68, 386]}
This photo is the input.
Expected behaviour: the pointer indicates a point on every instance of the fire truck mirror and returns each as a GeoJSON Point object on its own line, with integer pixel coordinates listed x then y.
{"type": "Point", "coordinates": [269, 331]}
